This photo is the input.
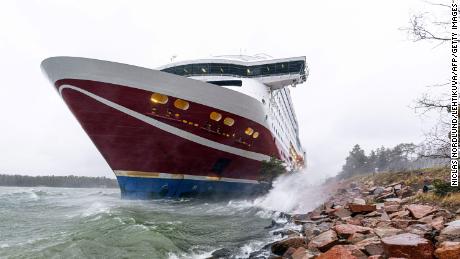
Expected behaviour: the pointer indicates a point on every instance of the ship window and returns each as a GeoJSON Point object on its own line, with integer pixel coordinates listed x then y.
{"type": "Point", "coordinates": [227, 82]}
{"type": "Point", "coordinates": [255, 135]}
{"type": "Point", "coordinates": [295, 66]}
{"type": "Point", "coordinates": [215, 116]}
{"type": "Point", "coordinates": [282, 68]}
{"type": "Point", "coordinates": [249, 131]}
{"type": "Point", "coordinates": [181, 104]}
{"type": "Point", "coordinates": [199, 69]}
{"type": "Point", "coordinates": [256, 71]}
{"type": "Point", "coordinates": [218, 69]}
{"type": "Point", "coordinates": [159, 98]}
{"type": "Point", "coordinates": [237, 70]}
{"type": "Point", "coordinates": [229, 121]}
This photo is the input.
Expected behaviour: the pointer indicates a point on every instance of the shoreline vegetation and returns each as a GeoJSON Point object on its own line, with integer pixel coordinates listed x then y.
{"type": "Point", "coordinates": [70, 181]}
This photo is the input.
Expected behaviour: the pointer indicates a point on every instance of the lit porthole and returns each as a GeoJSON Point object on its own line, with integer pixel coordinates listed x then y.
{"type": "Point", "coordinates": [181, 104]}
{"type": "Point", "coordinates": [159, 98]}
{"type": "Point", "coordinates": [215, 116]}
{"type": "Point", "coordinates": [177, 115]}
{"type": "Point", "coordinates": [229, 121]}
{"type": "Point", "coordinates": [255, 135]}
{"type": "Point", "coordinates": [249, 131]}
{"type": "Point", "coordinates": [248, 71]}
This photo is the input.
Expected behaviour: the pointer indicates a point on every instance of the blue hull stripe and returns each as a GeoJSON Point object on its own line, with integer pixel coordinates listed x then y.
{"type": "Point", "coordinates": [148, 188]}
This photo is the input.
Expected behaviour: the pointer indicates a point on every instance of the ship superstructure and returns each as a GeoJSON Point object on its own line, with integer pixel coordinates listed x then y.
{"type": "Point", "coordinates": [187, 128]}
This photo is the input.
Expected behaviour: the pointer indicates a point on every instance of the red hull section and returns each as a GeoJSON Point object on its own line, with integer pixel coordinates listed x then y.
{"type": "Point", "coordinates": [129, 144]}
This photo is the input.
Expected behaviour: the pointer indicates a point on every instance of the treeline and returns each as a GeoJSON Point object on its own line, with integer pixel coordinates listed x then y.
{"type": "Point", "coordinates": [405, 156]}
{"type": "Point", "coordinates": [70, 181]}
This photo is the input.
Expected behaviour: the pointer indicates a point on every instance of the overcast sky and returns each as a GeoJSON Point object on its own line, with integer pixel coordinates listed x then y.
{"type": "Point", "coordinates": [364, 72]}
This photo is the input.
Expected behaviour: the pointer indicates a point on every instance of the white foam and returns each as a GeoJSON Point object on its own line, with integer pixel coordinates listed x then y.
{"type": "Point", "coordinates": [294, 193]}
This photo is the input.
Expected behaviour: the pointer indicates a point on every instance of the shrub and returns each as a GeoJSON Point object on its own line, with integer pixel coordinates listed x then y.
{"type": "Point", "coordinates": [443, 188]}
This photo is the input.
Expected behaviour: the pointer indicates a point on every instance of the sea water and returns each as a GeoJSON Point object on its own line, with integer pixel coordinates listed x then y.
{"type": "Point", "coordinates": [43, 222]}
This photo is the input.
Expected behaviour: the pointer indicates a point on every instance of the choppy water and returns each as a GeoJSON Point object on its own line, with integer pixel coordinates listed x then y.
{"type": "Point", "coordinates": [74, 223]}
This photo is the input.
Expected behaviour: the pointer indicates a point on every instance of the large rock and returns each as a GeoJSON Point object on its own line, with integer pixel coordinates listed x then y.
{"type": "Point", "coordinates": [289, 252]}
{"type": "Point", "coordinates": [399, 214]}
{"type": "Point", "coordinates": [372, 245]}
{"type": "Point", "coordinates": [302, 253]}
{"type": "Point", "coordinates": [408, 246]}
{"type": "Point", "coordinates": [437, 223]}
{"type": "Point", "coordinates": [374, 249]}
{"type": "Point", "coordinates": [419, 211]}
{"type": "Point", "coordinates": [387, 231]}
{"type": "Point", "coordinates": [392, 201]}
{"type": "Point", "coordinates": [378, 190]}
{"type": "Point", "coordinates": [385, 195]}
{"type": "Point", "coordinates": [346, 230]}
{"type": "Point", "coordinates": [359, 201]}
{"type": "Point", "coordinates": [371, 240]}
{"type": "Point", "coordinates": [403, 223]}
{"type": "Point", "coordinates": [422, 230]}
{"type": "Point", "coordinates": [405, 192]}
{"type": "Point", "coordinates": [448, 250]}
{"type": "Point", "coordinates": [221, 253]}
{"type": "Point", "coordinates": [337, 252]}
{"type": "Point", "coordinates": [280, 247]}
{"type": "Point", "coordinates": [452, 231]}
{"type": "Point", "coordinates": [359, 208]}
{"type": "Point", "coordinates": [391, 208]}
{"type": "Point", "coordinates": [341, 213]}
{"type": "Point", "coordinates": [324, 241]}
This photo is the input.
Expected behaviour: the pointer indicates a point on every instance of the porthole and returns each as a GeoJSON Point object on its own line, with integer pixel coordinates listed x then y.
{"type": "Point", "coordinates": [229, 121]}
{"type": "Point", "coordinates": [181, 104]}
{"type": "Point", "coordinates": [249, 131]}
{"type": "Point", "coordinates": [215, 116]}
{"type": "Point", "coordinates": [255, 135]}
{"type": "Point", "coordinates": [159, 98]}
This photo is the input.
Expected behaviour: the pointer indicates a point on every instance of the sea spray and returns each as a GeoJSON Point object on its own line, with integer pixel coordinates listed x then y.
{"type": "Point", "coordinates": [298, 192]}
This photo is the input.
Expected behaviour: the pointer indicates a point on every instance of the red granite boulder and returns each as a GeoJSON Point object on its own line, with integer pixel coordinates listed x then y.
{"type": "Point", "coordinates": [448, 250]}
{"type": "Point", "coordinates": [408, 246]}
{"type": "Point", "coordinates": [280, 247]}
{"type": "Point", "coordinates": [337, 252]}
{"type": "Point", "coordinates": [324, 241]}
{"type": "Point", "coordinates": [419, 211]}
{"type": "Point", "coordinates": [346, 230]}
{"type": "Point", "coordinates": [360, 208]}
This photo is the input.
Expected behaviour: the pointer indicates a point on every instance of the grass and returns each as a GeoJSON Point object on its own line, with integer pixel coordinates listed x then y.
{"type": "Point", "coordinates": [416, 179]}
{"type": "Point", "coordinates": [412, 178]}
{"type": "Point", "coordinates": [450, 201]}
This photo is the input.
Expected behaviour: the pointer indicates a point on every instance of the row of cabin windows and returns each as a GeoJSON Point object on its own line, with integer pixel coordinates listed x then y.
{"type": "Point", "coordinates": [237, 70]}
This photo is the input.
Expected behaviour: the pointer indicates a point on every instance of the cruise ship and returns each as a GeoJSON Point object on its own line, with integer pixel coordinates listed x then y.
{"type": "Point", "coordinates": [189, 128]}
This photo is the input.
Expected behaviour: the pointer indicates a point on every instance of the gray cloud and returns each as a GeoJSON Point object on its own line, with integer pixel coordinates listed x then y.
{"type": "Point", "coordinates": [364, 71]}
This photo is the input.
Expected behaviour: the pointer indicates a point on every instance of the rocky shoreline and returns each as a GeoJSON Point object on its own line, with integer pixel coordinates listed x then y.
{"type": "Point", "coordinates": [365, 220]}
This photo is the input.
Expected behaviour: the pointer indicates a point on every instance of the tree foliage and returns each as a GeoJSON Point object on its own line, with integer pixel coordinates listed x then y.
{"type": "Point", "coordinates": [402, 157]}
{"type": "Point", "coordinates": [443, 188]}
{"type": "Point", "coordinates": [70, 181]}
{"type": "Point", "coordinates": [271, 169]}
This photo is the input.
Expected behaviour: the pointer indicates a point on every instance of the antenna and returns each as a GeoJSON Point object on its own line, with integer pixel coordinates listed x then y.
{"type": "Point", "coordinates": [173, 57]}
